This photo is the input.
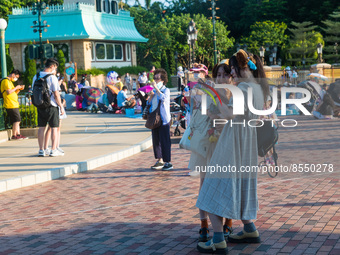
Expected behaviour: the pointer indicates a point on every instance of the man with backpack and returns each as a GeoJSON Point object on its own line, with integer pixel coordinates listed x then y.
{"type": "Point", "coordinates": [46, 98]}
{"type": "Point", "coordinates": [11, 103]}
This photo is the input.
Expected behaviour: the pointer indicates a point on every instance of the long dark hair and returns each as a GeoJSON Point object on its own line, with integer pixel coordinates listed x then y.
{"type": "Point", "coordinates": [259, 73]}
{"type": "Point", "coordinates": [217, 66]}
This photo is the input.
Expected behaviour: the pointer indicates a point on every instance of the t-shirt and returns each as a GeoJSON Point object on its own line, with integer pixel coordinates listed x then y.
{"type": "Point", "coordinates": [121, 97]}
{"type": "Point", "coordinates": [52, 83]}
{"type": "Point", "coordinates": [11, 100]}
{"type": "Point", "coordinates": [119, 85]}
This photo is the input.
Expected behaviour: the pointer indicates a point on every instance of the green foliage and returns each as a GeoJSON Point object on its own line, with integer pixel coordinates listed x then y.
{"type": "Point", "coordinates": [61, 60]}
{"type": "Point", "coordinates": [120, 70]}
{"type": "Point", "coordinates": [171, 36]}
{"type": "Point", "coordinates": [29, 116]}
{"type": "Point", "coordinates": [303, 42]}
{"type": "Point", "coordinates": [332, 31]}
{"type": "Point", "coordinates": [31, 68]}
{"type": "Point", "coordinates": [266, 33]}
{"type": "Point", "coordinates": [9, 64]}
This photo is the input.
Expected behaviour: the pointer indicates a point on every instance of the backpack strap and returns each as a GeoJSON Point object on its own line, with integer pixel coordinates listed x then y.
{"type": "Point", "coordinates": [1, 82]}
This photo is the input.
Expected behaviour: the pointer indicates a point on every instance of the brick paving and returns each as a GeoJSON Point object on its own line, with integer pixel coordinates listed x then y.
{"type": "Point", "coordinates": [126, 208]}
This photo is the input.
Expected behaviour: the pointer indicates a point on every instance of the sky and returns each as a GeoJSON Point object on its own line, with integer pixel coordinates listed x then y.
{"type": "Point", "coordinates": [142, 2]}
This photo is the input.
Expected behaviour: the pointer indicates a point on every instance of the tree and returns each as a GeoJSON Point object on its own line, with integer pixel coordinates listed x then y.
{"type": "Point", "coordinates": [7, 6]}
{"type": "Point", "coordinates": [332, 31]}
{"type": "Point", "coordinates": [30, 66]}
{"type": "Point", "coordinates": [61, 60]}
{"type": "Point", "coordinates": [304, 41]}
{"type": "Point", "coordinates": [266, 33]}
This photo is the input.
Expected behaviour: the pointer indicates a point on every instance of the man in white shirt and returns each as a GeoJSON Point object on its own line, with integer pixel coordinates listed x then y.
{"type": "Point", "coordinates": [50, 115]}
{"type": "Point", "coordinates": [143, 79]}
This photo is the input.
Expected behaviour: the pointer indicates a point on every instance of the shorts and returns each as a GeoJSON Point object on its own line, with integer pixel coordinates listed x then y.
{"type": "Point", "coordinates": [14, 115]}
{"type": "Point", "coordinates": [49, 115]}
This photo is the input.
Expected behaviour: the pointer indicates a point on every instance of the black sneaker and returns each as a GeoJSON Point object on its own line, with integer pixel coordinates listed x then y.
{"type": "Point", "coordinates": [167, 166]}
{"type": "Point", "coordinates": [157, 166]}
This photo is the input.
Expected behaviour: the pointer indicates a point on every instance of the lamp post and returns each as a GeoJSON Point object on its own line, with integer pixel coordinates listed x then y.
{"type": "Point", "coordinates": [192, 38]}
{"type": "Point", "coordinates": [319, 50]}
{"type": "Point", "coordinates": [3, 26]}
{"type": "Point", "coordinates": [336, 51]}
{"type": "Point", "coordinates": [176, 60]}
{"type": "Point", "coordinates": [262, 51]}
{"type": "Point", "coordinates": [271, 59]}
{"type": "Point", "coordinates": [274, 53]}
{"type": "Point", "coordinates": [303, 63]}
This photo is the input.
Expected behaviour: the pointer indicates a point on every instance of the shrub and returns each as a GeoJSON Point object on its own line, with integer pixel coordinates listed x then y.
{"type": "Point", "coordinates": [61, 60]}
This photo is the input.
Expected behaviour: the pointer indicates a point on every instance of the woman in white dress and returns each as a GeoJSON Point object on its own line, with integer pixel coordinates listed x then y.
{"type": "Point", "coordinates": [233, 194]}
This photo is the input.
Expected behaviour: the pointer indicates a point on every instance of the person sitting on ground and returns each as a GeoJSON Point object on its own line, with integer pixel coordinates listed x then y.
{"type": "Point", "coordinates": [72, 84]}
{"type": "Point", "coordinates": [325, 109]}
{"type": "Point", "coordinates": [79, 101]}
{"type": "Point", "coordinates": [119, 84]}
{"type": "Point", "coordinates": [84, 81]}
{"type": "Point", "coordinates": [124, 101]}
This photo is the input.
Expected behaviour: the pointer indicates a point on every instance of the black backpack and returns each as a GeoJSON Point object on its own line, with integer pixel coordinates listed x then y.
{"type": "Point", "coordinates": [41, 97]}
{"type": "Point", "coordinates": [1, 95]}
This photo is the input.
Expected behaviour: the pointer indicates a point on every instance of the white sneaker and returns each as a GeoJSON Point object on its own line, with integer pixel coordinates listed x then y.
{"type": "Point", "coordinates": [41, 153]}
{"type": "Point", "coordinates": [47, 152]}
{"type": "Point", "coordinates": [61, 150]}
{"type": "Point", "coordinates": [56, 153]}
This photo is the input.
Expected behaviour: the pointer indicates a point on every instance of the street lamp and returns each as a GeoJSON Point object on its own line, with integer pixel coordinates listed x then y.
{"type": "Point", "coordinates": [3, 26]}
{"type": "Point", "coordinates": [176, 60]}
{"type": "Point", "coordinates": [262, 51]}
{"type": "Point", "coordinates": [336, 51]}
{"type": "Point", "coordinates": [319, 50]}
{"type": "Point", "coordinates": [271, 59]}
{"type": "Point", "coordinates": [303, 63]}
{"type": "Point", "coordinates": [274, 52]}
{"type": "Point", "coordinates": [192, 38]}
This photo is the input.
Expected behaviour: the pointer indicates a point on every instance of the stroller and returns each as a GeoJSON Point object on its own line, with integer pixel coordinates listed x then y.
{"type": "Point", "coordinates": [316, 94]}
{"type": "Point", "coordinates": [178, 112]}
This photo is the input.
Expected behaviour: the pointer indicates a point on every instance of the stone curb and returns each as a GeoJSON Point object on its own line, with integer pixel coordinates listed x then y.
{"type": "Point", "coordinates": [55, 173]}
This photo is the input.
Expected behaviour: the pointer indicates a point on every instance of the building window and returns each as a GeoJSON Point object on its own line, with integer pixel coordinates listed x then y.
{"type": "Point", "coordinates": [100, 51]}
{"type": "Point", "coordinates": [109, 51]}
{"type": "Point", "coordinates": [118, 52]}
{"type": "Point", "coordinates": [98, 5]}
{"type": "Point", "coordinates": [114, 7]}
{"type": "Point", "coordinates": [128, 51]}
{"type": "Point", "coordinates": [107, 7]}
{"type": "Point", "coordinates": [104, 6]}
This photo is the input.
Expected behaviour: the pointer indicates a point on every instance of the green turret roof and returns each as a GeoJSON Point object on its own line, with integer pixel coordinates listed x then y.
{"type": "Point", "coordinates": [71, 22]}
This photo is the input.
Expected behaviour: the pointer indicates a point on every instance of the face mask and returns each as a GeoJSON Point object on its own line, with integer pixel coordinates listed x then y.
{"type": "Point", "coordinates": [159, 85]}
{"type": "Point", "coordinates": [15, 79]}
{"type": "Point", "coordinates": [144, 73]}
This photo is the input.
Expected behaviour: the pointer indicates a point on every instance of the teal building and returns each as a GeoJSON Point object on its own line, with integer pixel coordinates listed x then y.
{"type": "Point", "coordinates": [92, 33]}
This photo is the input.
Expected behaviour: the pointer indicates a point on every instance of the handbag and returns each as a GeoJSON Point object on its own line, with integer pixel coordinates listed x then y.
{"type": "Point", "coordinates": [267, 136]}
{"type": "Point", "coordinates": [154, 118]}
{"type": "Point", "coordinates": [195, 137]}
{"type": "Point", "coordinates": [185, 143]}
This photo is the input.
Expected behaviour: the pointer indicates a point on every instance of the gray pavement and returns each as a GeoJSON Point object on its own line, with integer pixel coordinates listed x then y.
{"type": "Point", "coordinates": [89, 140]}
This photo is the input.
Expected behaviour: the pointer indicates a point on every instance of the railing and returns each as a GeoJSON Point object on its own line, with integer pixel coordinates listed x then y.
{"type": "Point", "coordinates": [28, 113]}
{"type": "Point", "coordinates": [54, 8]}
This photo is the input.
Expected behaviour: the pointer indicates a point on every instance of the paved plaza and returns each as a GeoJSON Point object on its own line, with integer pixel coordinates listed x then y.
{"type": "Point", "coordinates": [126, 208]}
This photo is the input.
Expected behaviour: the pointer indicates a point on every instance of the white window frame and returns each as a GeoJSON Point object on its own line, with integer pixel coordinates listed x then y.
{"type": "Point", "coordinates": [128, 49]}
{"type": "Point", "coordinates": [97, 59]}
{"type": "Point", "coordinates": [114, 52]}
{"type": "Point", "coordinates": [121, 45]}
{"type": "Point", "coordinates": [93, 53]}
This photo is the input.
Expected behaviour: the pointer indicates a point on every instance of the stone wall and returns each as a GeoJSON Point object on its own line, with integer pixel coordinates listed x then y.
{"type": "Point", "coordinates": [16, 55]}
{"type": "Point", "coordinates": [133, 54]}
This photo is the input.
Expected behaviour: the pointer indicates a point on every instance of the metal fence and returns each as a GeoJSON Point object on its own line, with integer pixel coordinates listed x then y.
{"type": "Point", "coordinates": [28, 113]}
